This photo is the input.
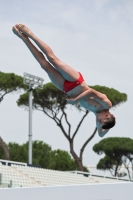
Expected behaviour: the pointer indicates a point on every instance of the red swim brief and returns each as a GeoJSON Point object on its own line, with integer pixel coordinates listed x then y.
{"type": "Point", "coordinates": [71, 85]}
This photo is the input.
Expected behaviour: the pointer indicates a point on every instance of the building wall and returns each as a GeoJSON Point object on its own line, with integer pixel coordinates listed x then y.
{"type": "Point", "coordinates": [115, 191]}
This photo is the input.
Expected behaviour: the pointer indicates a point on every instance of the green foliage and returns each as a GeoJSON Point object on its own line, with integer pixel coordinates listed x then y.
{"type": "Point", "coordinates": [10, 82]}
{"type": "Point", "coordinates": [113, 95]}
{"type": "Point", "coordinates": [61, 160]}
{"type": "Point", "coordinates": [106, 163]}
{"type": "Point", "coordinates": [18, 152]}
{"type": "Point", "coordinates": [85, 169]}
{"type": "Point", "coordinates": [48, 98]}
{"type": "Point", "coordinates": [23, 100]}
{"type": "Point", "coordinates": [117, 151]}
{"type": "Point", "coordinates": [43, 156]}
{"type": "Point", "coordinates": [114, 147]}
{"type": "Point", "coordinates": [2, 154]}
{"type": "Point", "coordinates": [51, 97]}
{"type": "Point", "coordinates": [41, 153]}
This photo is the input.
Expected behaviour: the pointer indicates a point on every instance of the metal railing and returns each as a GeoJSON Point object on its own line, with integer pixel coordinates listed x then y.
{"type": "Point", "coordinates": [100, 176]}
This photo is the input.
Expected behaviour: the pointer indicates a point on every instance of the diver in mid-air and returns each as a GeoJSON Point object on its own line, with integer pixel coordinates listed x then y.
{"type": "Point", "coordinates": [69, 80]}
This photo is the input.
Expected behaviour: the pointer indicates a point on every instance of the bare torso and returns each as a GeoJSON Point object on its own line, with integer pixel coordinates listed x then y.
{"type": "Point", "coordinates": [89, 103]}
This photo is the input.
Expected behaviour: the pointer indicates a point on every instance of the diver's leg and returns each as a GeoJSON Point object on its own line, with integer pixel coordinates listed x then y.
{"type": "Point", "coordinates": [66, 71]}
{"type": "Point", "coordinates": [54, 75]}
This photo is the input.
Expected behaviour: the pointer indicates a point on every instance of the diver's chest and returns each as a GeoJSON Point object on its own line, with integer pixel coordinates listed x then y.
{"type": "Point", "coordinates": [90, 104]}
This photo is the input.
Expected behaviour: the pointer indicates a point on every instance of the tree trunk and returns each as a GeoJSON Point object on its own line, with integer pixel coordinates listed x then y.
{"type": "Point", "coordinates": [5, 148]}
{"type": "Point", "coordinates": [76, 158]}
{"type": "Point", "coordinates": [128, 173]}
{"type": "Point", "coordinates": [80, 165]}
{"type": "Point", "coordinates": [116, 173]}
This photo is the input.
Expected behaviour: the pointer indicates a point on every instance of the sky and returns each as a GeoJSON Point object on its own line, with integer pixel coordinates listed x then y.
{"type": "Point", "coordinates": [92, 36]}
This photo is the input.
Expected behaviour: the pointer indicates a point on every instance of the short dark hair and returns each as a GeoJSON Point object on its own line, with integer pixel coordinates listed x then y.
{"type": "Point", "coordinates": [110, 123]}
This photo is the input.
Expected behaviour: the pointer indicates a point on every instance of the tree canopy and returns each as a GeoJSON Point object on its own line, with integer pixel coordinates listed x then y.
{"type": "Point", "coordinates": [10, 82]}
{"type": "Point", "coordinates": [43, 156]}
{"type": "Point", "coordinates": [51, 97]}
{"type": "Point", "coordinates": [118, 151]}
{"type": "Point", "coordinates": [61, 160]}
{"type": "Point", "coordinates": [52, 102]}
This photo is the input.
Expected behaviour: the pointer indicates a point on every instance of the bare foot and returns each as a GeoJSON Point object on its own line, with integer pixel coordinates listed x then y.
{"type": "Point", "coordinates": [18, 33]}
{"type": "Point", "coordinates": [23, 29]}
